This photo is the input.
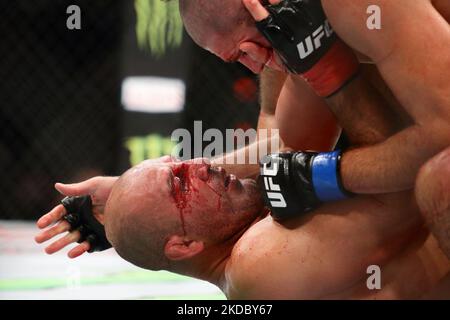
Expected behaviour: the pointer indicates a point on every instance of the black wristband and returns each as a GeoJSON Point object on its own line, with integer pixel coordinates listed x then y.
{"type": "Point", "coordinates": [285, 185]}
{"type": "Point", "coordinates": [80, 217]}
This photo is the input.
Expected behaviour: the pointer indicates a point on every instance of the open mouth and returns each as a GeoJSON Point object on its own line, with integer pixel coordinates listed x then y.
{"type": "Point", "coordinates": [231, 182]}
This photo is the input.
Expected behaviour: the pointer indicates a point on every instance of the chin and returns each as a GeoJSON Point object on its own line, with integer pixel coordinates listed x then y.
{"type": "Point", "coordinates": [251, 186]}
{"type": "Point", "coordinates": [253, 199]}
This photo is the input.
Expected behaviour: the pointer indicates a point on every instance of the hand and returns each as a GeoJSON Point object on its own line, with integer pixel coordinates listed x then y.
{"type": "Point", "coordinates": [265, 56]}
{"type": "Point", "coordinates": [98, 188]}
{"type": "Point", "coordinates": [288, 25]}
{"type": "Point", "coordinates": [305, 42]}
{"type": "Point", "coordinates": [296, 183]}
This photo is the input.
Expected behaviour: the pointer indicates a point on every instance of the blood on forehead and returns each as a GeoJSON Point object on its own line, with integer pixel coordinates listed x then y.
{"type": "Point", "coordinates": [184, 190]}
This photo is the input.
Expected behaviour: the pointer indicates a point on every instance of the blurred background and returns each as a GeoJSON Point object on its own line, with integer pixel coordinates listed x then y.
{"type": "Point", "coordinates": [94, 101]}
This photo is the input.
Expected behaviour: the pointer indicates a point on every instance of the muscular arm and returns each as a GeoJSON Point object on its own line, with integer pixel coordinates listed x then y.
{"type": "Point", "coordinates": [365, 115]}
{"type": "Point", "coordinates": [433, 197]}
{"type": "Point", "coordinates": [303, 119]}
{"type": "Point", "coordinates": [411, 51]}
{"type": "Point", "coordinates": [271, 84]}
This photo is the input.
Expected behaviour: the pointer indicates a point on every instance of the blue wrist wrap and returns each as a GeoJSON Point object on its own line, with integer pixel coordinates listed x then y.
{"type": "Point", "coordinates": [325, 177]}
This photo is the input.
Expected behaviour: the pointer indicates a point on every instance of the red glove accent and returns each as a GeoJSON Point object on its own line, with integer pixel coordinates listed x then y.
{"type": "Point", "coordinates": [337, 67]}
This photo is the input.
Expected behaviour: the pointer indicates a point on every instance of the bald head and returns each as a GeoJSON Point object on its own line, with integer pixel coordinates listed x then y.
{"type": "Point", "coordinates": [136, 223]}
{"type": "Point", "coordinates": [160, 213]}
{"type": "Point", "coordinates": [202, 18]}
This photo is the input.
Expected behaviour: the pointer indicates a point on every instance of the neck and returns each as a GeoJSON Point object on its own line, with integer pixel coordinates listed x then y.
{"type": "Point", "coordinates": [211, 264]}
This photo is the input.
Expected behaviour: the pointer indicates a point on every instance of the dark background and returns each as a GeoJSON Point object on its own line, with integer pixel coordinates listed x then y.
{"type": "Point", "coordinates": [61, 118]}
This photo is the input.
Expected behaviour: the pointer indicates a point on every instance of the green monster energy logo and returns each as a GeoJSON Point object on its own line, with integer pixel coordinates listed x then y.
{"type": "Point", "coordinates": [148, 147]}
{"type": "Point", "coordinates": [158, 25]}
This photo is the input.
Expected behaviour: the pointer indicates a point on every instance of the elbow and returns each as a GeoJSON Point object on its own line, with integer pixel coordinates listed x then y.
{"type": "Point", "coordinates": [432, 193]}
{"type": "Point", "coordinates": [432, 186]}
{"type": "Point", "coordinates": [437, 130]}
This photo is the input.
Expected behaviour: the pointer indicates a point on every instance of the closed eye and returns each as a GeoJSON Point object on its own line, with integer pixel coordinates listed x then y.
{"type": "Point", "coordinates": [180, 174]}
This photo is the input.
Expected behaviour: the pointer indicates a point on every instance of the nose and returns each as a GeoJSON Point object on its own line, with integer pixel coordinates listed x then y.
{"type": "Point", "coordinates": [218, 171]}
{"type": "Point", "coordinates": [203, 172]}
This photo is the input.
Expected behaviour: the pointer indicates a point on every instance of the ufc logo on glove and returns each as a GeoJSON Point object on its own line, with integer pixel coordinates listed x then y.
{"type": "Point", "coordinates": [296, 183]}
{"type": "Point", "coordinates": [273, 190]}
{"type": "Point", "coordinates": [322, 31]}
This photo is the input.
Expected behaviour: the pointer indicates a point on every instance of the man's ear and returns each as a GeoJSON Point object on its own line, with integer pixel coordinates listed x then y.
{"type": "Point", "coordinates": [180, 248]}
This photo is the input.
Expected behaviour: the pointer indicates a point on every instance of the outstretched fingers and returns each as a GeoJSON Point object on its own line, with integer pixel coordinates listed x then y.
{"type": "Point", "coordinates": [48, 234]}
{"type": "Point", "coordinates": [63, 242]}
{"type": "Point", "coordinates": [51, 217]}
{"type": "Point", "coordinates": [79, 250]}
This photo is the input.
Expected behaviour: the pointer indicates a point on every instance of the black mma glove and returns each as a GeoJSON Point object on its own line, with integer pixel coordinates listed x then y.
{"type": "Point", "coordinates": [80, 217]}
{"type": "Point", "coordinates": [297, 183]}
{"type": "Point", "coordinates": [300, 33]}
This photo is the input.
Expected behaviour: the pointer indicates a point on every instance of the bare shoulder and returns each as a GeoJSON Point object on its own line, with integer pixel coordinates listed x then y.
{"type": "Point", "coordinates": [248, 273]}
{"type": "Point", "coordinates": [245, 269]}
{"type": "Point", "coordinates": [351, 20]}
{"type": "Point", "coordinates": [262, 262]}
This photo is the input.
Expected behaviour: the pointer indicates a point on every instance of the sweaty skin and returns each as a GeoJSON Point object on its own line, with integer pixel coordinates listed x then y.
{"type": "Point", "coordinates": [414, 76]}
{"type": "Point", "coordinates": [325, 254]}
{"type": "Point", "coordinates": [433, 197]}
{"type": "Point", "coordinates": [226, 238]}
{"type": "Point", "coordinates": [319, 248]}
{"type": "Point", "coordinates": [411, 60]}
{"type": "Point", "coordinates": [372, 248]}
{"type": "Point", "coordinates": [356, 117]}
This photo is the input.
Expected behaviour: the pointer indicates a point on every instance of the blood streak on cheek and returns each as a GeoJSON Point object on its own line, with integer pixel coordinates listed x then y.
{"type": "Point", "coordinates": [219, 196]}
{"type": "Point", "coordinates": [182, 192]}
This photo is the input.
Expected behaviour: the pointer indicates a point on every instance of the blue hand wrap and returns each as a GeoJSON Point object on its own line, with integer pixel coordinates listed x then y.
{"type": "Point", "coordinates": [326, 177]}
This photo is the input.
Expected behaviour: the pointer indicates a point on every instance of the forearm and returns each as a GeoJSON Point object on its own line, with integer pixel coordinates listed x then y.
{"type": "Point", "coordinates": [382, 158]}
{"type": "Point", "coordinates": [362, 112]}
{"type": "Point", "coordinates": [417, 80]}
{"type": "Point", "coordinates": [244, 162]}
{"type": "Point", "coordinates": [392, 165]}
{"type": "Point", "coordinates": [271, 84]}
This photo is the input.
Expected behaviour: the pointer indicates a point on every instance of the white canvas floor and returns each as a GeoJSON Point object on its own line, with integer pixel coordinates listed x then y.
{"type": "Point", "coordinates": [26, 272]}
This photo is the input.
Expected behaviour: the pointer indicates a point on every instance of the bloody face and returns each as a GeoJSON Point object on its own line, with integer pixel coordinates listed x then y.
{"type": "Point", "coordinates": [209, 203]}
{"type": "Point", "coordinates": [233, 46]}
